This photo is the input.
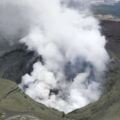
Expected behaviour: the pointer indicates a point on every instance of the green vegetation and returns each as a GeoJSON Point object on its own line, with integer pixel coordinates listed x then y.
{"type": "Point", "coordinates": [13, 101]}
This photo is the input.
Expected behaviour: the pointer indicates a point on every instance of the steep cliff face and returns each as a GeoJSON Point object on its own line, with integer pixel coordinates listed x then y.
{"type": "Point", "coordinates": [17, 61]}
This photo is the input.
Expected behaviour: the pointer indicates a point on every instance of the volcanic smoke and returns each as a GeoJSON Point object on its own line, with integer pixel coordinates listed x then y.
{"type": "Point", "coordinates": [70, 44]}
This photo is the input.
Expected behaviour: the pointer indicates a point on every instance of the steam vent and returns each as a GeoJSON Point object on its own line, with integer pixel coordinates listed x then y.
{"type": "Point", "coordinates": [59, 60]}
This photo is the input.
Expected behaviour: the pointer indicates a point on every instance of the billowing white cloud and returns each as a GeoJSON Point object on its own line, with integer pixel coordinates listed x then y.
{"type": "Point", "coordinates": [73, 50]}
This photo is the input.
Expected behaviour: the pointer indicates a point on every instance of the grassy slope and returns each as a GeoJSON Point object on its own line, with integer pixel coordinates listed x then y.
{"type": "Point", "coordinates": [13, 102]}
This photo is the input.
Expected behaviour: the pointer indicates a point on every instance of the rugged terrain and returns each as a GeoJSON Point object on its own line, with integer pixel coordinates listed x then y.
{"type": "Point", "coordinates": [15, 105]}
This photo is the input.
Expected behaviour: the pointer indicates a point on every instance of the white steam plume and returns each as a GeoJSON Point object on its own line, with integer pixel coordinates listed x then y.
{"type": "Point", "coordinates": [14, 23]}
{"type": "Point", "coordinates": [71, 46]}
{"type": "Point", "coordinates": [74, 57]}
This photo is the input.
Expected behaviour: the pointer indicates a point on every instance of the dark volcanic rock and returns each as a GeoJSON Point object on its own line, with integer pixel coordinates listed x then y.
{"type": "Point", "coordinates": [111, 30]}
{"type": "Point", "coordinates": [15, 63]}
